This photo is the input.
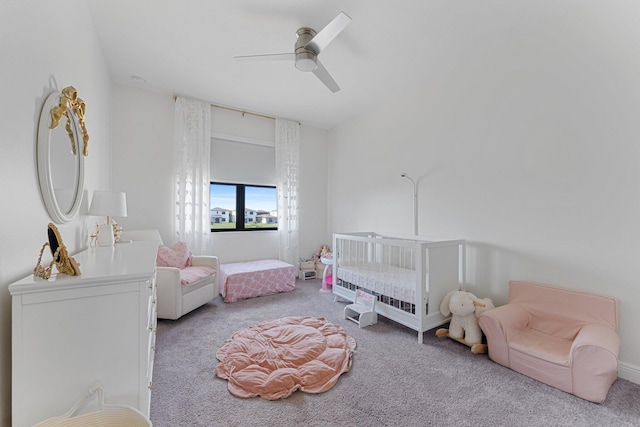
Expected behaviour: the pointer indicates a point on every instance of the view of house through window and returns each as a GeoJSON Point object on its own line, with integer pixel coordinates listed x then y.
{"type": "Point", "coordinates": [243, 207]}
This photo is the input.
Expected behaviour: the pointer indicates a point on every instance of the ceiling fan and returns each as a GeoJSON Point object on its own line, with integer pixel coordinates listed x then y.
{"type": "Point", "coordinates": [307, 48]}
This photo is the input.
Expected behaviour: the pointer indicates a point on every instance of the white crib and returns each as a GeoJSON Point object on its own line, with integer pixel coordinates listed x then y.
{"type": "Point", "coordinates": [409, 275]}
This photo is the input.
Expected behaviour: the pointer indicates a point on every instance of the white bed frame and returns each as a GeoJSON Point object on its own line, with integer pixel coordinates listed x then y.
{"type": "Point", "coordinates": [434, 267]}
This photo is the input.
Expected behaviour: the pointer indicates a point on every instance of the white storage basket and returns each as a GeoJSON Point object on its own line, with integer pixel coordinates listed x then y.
{"type": "Point", "coordinates": [107, 415]}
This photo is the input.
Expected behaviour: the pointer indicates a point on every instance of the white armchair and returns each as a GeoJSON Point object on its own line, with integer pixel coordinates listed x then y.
{"type": "Point", "coordinates": [174, 298]}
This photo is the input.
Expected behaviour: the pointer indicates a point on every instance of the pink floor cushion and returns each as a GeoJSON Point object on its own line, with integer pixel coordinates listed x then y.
{"type": "Point", "coordinates": [275, 358]}
{"type": "Point", "coordinates": [250, 279]}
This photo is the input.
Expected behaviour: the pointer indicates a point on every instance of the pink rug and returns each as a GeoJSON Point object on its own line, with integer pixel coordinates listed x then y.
{"type": "Point", "coordinates": [275, 358]}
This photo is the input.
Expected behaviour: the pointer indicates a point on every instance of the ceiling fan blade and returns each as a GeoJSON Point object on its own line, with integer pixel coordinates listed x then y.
{"type": "Point", "coordinates": [326, 78]}
{"type": "Point", "coordinates": [328, 33]}
{"type": "Point", "coordinates": [268, 57]}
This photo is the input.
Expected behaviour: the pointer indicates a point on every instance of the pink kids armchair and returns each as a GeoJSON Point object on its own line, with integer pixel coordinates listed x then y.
{"type": "Point", "coordinates": [565, 338]}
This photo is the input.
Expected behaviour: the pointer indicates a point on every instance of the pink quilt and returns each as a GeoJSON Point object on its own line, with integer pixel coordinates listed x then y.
{"type": "Point", "coordinates": [255, 278]}
{"type": "Point", "coordinates": [275, 358]}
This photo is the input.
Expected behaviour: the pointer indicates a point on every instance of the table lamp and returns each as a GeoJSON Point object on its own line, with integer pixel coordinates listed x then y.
{"type": "Point", "coordinates": [108, 203]}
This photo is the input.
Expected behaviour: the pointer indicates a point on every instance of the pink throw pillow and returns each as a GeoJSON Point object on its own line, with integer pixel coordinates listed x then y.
{"type": "Point", "coordinates": [178, 256]}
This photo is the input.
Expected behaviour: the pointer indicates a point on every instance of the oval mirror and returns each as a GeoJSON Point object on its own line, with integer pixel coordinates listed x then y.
{"type": "Point", "coordinates": [60, 156]}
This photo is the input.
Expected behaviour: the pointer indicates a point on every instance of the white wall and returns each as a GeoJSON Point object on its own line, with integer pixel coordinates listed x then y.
{"type": "Point", "coordinates": [143, 159]}
{"type": "Point", "coordinates": [45, 45]}
{"type": "Point", "coordinates": [314, 222]}
{"type": "Point", "coordinates": [528, 149]}
{"type": "Point", "coordinates": [142, 130]}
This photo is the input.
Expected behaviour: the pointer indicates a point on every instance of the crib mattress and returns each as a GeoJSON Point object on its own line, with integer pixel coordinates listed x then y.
{"type": "Point", "coordinates": [250, 279]}
{"type": "Point", "coordinates": [395, 282]}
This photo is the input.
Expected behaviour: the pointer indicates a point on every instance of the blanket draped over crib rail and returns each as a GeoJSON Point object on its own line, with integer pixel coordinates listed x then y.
{"type": "Point", "coordinates": [409, 275]}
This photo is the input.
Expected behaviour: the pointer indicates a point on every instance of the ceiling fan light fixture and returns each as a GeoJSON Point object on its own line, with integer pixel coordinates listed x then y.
{"type": "Point", "coordinates": [306, 61]}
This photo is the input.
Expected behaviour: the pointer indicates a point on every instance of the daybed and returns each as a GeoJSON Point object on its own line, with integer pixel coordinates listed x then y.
{"type": "Point", "coordinates": [181, 290]}
{"type": "Point", "coordinates": [565, 338]}
{"type": "Point", "coordinates": [409, 275]}
{"type": "Point", "coordinates": [251, 279]}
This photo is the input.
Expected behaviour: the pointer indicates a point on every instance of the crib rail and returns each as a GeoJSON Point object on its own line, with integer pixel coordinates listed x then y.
{"type": "Point", "coordinates": [377, 249]}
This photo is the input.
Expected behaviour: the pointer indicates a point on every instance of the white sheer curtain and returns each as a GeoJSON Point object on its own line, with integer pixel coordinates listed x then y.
{"type": "Point", "coordinates": [287, 170]}
{"type": "Point", "coordinates": [192, 141]}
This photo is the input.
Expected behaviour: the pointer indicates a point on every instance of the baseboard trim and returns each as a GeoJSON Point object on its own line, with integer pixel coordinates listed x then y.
{"type": "Point", "coordinates": [629, 372]}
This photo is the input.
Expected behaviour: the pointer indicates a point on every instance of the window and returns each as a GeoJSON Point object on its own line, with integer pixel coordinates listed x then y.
{"type": "Point", "coordinates": [237, 207]}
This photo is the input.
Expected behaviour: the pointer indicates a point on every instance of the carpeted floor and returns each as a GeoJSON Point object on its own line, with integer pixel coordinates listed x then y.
{"type": "Point", "coordinates": [394, 381]}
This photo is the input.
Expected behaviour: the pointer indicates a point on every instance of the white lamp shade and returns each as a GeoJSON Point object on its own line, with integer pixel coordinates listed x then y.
{"type": "Point", "coordinates": [108, 203]}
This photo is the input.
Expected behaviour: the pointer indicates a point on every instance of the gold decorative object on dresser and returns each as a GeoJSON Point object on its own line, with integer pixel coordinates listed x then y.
{"type": "Point", "coordinates": [64, 263]}
{"type": "Point", "coordinates": [72, 331]}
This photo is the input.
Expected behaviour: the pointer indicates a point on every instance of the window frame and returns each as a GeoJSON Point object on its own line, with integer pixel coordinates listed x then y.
{"type": "Point", "coordinates": [241, 207]}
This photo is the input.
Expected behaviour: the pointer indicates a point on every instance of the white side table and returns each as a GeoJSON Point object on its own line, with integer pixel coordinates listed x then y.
{"type": "Point", "coordinates": [328, 263]}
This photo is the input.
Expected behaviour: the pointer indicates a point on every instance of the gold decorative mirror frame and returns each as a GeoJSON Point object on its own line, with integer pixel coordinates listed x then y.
{"type": "Point", "coordinates": [61, 259]}
{"type": "Point", "coordinates": [60, 170]}
{"type": "Point", "coordinates": [72, 107]}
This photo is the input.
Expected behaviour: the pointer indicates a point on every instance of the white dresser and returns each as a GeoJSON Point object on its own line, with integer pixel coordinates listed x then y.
{"type": "Point", "coordinates": [70, 332]}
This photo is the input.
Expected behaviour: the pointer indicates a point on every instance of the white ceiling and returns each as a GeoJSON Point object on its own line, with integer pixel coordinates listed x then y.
{"type": "Point", "coordinates": [187, 47]}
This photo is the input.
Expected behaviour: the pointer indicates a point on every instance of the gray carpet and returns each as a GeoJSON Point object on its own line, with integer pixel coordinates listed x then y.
{"type": "Point", "coordinates": [394, 381]}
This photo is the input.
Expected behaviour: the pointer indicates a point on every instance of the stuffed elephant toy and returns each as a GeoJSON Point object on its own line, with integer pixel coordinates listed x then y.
{"type": "Point", "coordinates": [464, 308]}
